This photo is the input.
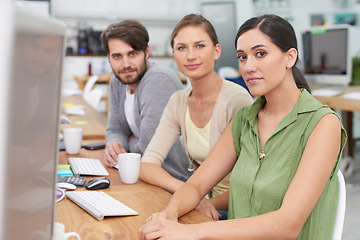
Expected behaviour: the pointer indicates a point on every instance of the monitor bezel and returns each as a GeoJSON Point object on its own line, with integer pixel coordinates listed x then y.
{"type": "Point", "coordinates": [330, 79]}
{"type": "Point", "coordinates": [19, 20]}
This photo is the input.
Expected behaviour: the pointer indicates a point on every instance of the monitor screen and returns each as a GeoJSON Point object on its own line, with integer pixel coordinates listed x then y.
{"type": "Point", "coordinates": [30, 111]}
{"type": "Point", "coordinates": [326, 55]}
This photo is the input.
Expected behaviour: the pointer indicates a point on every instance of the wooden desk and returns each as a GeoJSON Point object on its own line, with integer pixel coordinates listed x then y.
{"type": "Point", "coordinates": [143, 198]}
{"type": "Point", "coordinates": [338, 102]}
{"type": "Point", "coordinates": [348, 106]}
{"type": "Point", "coordinates": [95, 127]}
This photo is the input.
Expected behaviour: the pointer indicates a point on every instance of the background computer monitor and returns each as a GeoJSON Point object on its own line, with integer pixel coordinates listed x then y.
{"type": "Point", "coordinates": [327, 56]}
{"type": "Point", "coordinates": [31, 59]}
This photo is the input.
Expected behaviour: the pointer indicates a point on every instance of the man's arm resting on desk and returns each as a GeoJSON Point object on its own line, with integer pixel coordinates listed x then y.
{"type": "Point", "coordinates": [113, 149]}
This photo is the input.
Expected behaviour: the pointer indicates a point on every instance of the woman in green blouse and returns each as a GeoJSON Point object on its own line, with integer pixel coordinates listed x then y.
{"type": "Point", "coordinates": [284, 152]}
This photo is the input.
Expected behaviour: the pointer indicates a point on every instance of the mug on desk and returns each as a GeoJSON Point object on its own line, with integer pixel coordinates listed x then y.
{"type": "Point", "coordinates": [59, 232]}
{"type": "Point", "coordinates": [129, 167]}
{"type": "Point", "coordinates": [72, 140]}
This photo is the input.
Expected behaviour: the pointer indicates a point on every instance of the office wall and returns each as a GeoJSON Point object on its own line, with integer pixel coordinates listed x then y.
{"type": "Point", "coordinates": [299, 13]}
{"type": "Point", "coordinates": [160, 16]}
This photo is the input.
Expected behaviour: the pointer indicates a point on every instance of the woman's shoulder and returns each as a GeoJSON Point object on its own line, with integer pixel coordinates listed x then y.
{"type": "Point", "coordinates": [231, 88]}
{"type": "Point", "coordinates": [242, 112]}
{"type": "Point", "coordinates": [181, 94]}
{"type": "Point", "coordinates": [179, 98]}
{"type": "Point", "coordinates": [232, 92]}
{"type": "Point", "coordinates": [308, 103]}
{"type": "Point", "coordinates": [234, 95]}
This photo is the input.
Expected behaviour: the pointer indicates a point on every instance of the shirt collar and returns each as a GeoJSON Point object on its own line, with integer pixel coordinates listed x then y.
{"type": "Point", "coordinates": [305, 104]}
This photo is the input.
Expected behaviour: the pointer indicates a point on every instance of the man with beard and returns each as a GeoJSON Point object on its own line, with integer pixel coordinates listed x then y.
{"type": "Point", "coordinates": [139, 92]}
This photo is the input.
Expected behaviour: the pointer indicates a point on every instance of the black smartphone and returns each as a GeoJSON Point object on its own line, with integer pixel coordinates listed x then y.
{"type": "Point", "coordinates": [61, 145]}
{"type": "Point", "coordinates": [94, 146]}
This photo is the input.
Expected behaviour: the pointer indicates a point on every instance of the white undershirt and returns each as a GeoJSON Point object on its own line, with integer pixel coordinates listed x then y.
{"type": "Point", "coordinates": [129, 111]}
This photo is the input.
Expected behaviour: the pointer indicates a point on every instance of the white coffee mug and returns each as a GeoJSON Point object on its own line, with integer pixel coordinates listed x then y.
{"type": "Point", "coordinates": [72, 140]}
{"type": "Point", "coordinates": [59, 232]}
{"type": "Point", "coordinates": [129, 167]}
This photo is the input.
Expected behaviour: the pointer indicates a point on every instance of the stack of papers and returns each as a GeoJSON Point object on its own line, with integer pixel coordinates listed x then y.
{"type": "Point", "coordinates": [75, 110]}
{"type": "Point", "coordinates": [352, 95]}
{"type": "Point", "coordinates": [70, 92]}
{"type": "Point", "coordinates": [326, 92]}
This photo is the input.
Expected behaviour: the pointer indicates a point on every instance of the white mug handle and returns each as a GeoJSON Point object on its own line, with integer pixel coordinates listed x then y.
{"type": "Point", "coordinates": [70, 234]}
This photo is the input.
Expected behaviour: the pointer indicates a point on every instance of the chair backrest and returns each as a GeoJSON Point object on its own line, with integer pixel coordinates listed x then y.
{"type": "Point", "coordinates": [92, 96]}
{"type": "Point", "coordinates": [340, 215]}
{"type": "Point", "coordinates": [90, 83]}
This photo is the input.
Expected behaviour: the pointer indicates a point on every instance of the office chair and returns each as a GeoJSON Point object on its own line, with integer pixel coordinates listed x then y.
{"type": "Point", "coordinates": [231, 74]}
{"type": "Point", "coordinates": [340, 215]}
{"type": "Point", "coordinates": [92, 96]}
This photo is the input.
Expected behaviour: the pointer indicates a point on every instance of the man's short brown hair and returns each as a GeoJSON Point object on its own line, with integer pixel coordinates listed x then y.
{"type": "Point", "coordinates": [129, 31]}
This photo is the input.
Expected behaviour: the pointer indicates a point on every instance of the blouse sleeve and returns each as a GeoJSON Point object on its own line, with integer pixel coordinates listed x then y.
{"type": "Point", "coordinates": [166, 134]}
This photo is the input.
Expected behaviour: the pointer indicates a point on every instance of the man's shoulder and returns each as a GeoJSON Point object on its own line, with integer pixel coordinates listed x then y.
{"type": "Point", "coordinates": [160, 75]}
{"type": "Point", "coordinates": [159, 67]}
{"type": "Point", "coordinates": [156, 68]}
{"type": "Point", "coordinates": [115, 82]}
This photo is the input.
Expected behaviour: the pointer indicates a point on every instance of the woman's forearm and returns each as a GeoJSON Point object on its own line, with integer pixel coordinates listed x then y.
{"type": "Point", "coordinates": [184, 200]}
{"type": "Point", "coordinates": [272, 225]}
{"type": "Point", "coordinates": [156, 175]}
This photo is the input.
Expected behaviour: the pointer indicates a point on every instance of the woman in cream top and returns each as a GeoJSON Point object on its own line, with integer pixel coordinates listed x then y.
{"type": "Point", "coordinates": [210, 101]}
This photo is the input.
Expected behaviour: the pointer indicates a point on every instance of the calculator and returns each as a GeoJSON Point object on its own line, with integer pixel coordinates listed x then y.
{"type": "Point", "coordinates": [76, 180]}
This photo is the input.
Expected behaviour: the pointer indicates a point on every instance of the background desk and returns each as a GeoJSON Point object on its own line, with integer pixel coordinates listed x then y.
{"type": "Point", "coordinates": [103, 79]}
{"type": "Point", "coordinates": [347, 106]}
{"type": "Point", "coordinates": [95, 127]}
{"type": "Point", "coordinates": [143, 198]}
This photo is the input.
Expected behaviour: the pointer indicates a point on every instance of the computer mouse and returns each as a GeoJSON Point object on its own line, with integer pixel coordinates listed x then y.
{"type": "Point", "coordinates": [98, 183]}
{"type": "Point", "coordinates": [67, 186]}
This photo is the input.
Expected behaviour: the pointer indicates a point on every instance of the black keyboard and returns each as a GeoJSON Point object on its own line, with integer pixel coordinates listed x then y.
{"type": "Point", "coordinates": [76, 180]}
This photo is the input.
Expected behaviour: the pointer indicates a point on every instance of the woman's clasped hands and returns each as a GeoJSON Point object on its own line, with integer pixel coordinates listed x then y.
{"type": "Point", "coordinates": [165, 226]}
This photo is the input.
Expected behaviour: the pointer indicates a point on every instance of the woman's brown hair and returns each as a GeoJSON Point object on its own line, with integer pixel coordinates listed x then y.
{"type": "Point", "coordinates": [194, 20]}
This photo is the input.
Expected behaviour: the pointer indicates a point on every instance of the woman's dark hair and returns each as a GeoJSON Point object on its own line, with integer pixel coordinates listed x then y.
{"type": "Point", "coordinates": [129, 31]}
{"type": "Point", "coordinates": [281, 33]}
{"type": "Point", "coordinates": [194, 20]}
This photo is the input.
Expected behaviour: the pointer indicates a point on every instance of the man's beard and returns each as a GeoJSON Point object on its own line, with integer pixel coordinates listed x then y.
{"type": "Point", "coordinates": [143, 69]}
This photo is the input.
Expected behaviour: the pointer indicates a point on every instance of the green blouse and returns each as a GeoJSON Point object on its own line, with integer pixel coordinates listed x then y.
{"type": "Point", "coordinates": [259, 186]}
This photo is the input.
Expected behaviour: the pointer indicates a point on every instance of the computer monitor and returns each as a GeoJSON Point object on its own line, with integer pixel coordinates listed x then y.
{"type": "Point", "coordinates": [327, 56]}
{"type": "Point", "coordinates": [31, 60]}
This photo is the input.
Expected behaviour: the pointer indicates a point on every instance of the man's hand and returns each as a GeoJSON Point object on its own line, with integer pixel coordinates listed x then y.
{"type": "Point", "coordinates": [112, 151]}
